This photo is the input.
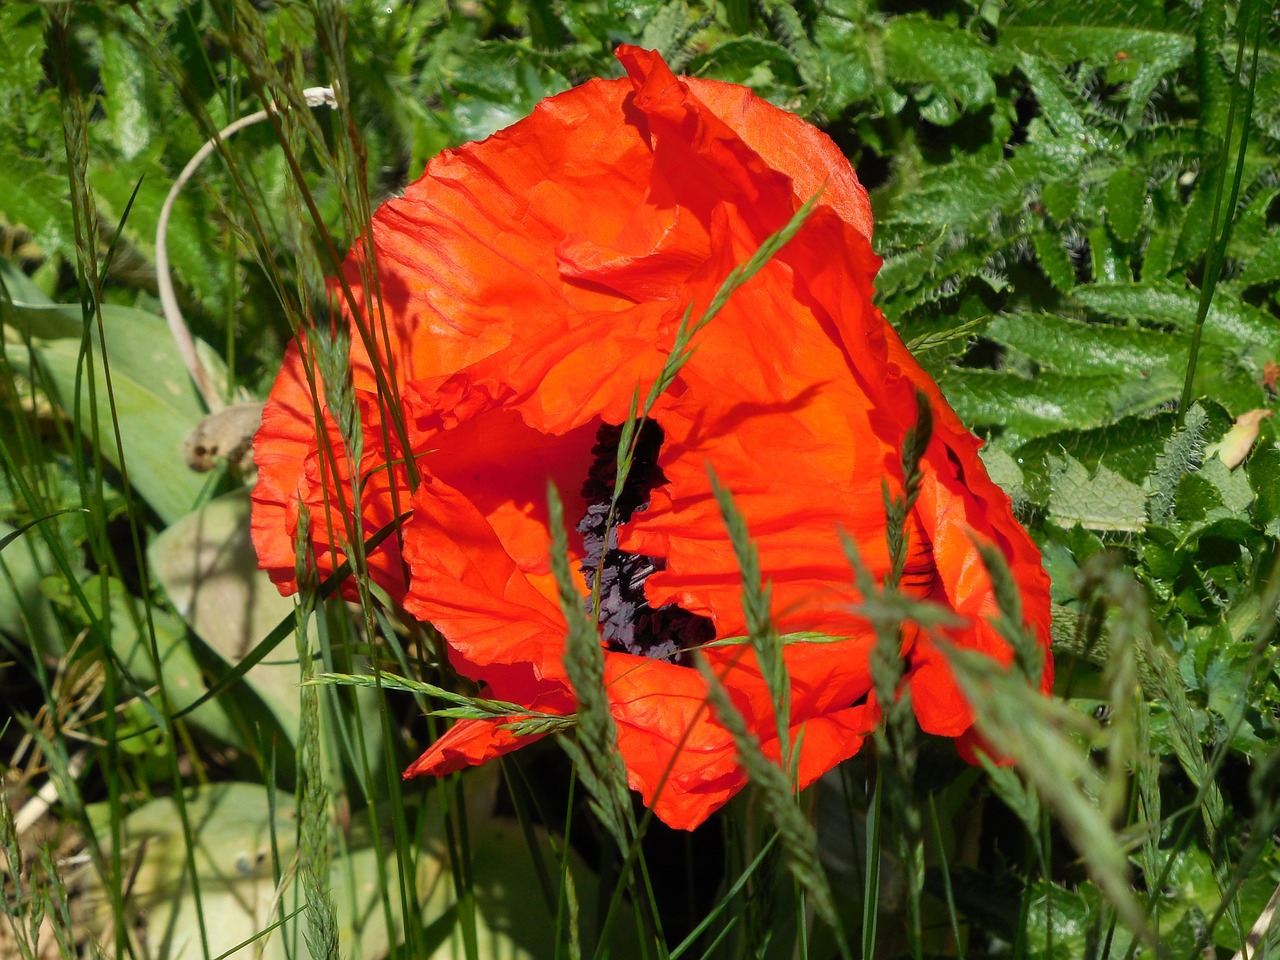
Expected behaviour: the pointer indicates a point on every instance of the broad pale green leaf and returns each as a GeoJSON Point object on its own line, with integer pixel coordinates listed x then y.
{"type": "Point", "coordinates": [243, 835]}
{"type": "Point", "coordinates": [19, 287]}
{"type": "Point", "coordinates": [131, 643]}
{"type": "Point", "coordinates": [1104, 501]}
{"type": "Point", "coordinates": [151, 396]}
{"type": "Point", "coordinates": [206, 564]}
{"type": "Point", "coordinates": [24, 610]}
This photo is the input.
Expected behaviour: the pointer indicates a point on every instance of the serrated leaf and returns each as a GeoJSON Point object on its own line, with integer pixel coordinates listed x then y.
{"type": "Point", "coordinates": [1231, 486]}
{"type": "Point", "coordinates": [1126, 202]}
{"type": "Point", "coordinates": [34, 197]}
{"type": "Point", "coordinates": [948, 66]}
{"type": "Point", "coordinates": [1263, 471]}
{"type": "Point", "coordinates": [840, 41]}
{"type": "Point", "coordinates": [766, 67]}
{"type": "Point", "coordinates": [1110, 264]}
{"type": "Point", "coordinates": [960, 195]}
{"type": "Point", "coordinates": [1030, 408]}
{"type": "Point", "coordinates": [22, 44]}
{"type": "Point", "coordinates": [1055, 106]}
{"type": "Point", "coordinates": [1105, 501]}
{"type": "Point", "coordinates": [1264, 267]}
{"type": "Point", "coordinates": [1229, 323]}
{"type": "Point", "coordinates": [1093, 349]}
{"type": "Point", "coordinates": [497, 84]}
{"type": "Point", "coordinates": [1055, 261]}
{"type": "Point", "coordinates": [129, 95]}
{"type": "Point", "coordinates": [1003, 469]}
{"type": "Point", "coordinates": [1183, 453]}
{"type": "Point", "coordinates": [1148, 55]}
{"type": "Point", "coordinates": [1061, 198]}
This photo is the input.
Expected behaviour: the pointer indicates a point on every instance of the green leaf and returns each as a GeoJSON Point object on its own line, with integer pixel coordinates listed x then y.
{"type": "Point", "coordinates": [34, 196]}
{"type": "Point", "coordinates": [951, 70]}
{"type": "Point", "coordinates": [1003, 469]}
{"type": "Point", "coordinates": [244, 834]}
{"type": "Point", "coordinates": [206, 564]}
{"type": "Point", "coordinates": [497, 84]}
{"type": "Point", "coordinates": [1230, 322]}
{"type": "Point", "coordinates": [1054, 261]}
{"type": "Point", "coordinates": [1025, 408]}
{"type": "Point", "coordinates": [842, 44]}
{"type": "Point", "coordinates": [24, 609]}
{"type": "Point", "coordinates": [1182, 454]}
{"type": "Point", "coordinates": [766, 67]}
{"type": "Point", "coordinates": [19, 288]}
{"type": "Point", "coordinates": [1263, 471]}
{"type": "Point", "coordinates": [130, 102]}
{"type": "Point", "coordinates": [155, 404]}
{"type": "Point", "coordinates": [1265, 265]}
{"type": "Point", "coordinates": [959, 195]}
{"type": "Point", "coordinates": [1148, 55]}
{"type": "Point", "coordinates": [1090, 349]}
{"type": "Point", "coordinates": [131, 640]}
{"type": "Point", "coordinates": [1126, 202]}
{"type": "Point", "coordinates": [22, 45]}
{"type": "Point", "coordinates": [1061, 198]}
{"type": "Point", "coordinates": [1105, 501]}
{"type": "Point", "coordinates": [1062, 116]}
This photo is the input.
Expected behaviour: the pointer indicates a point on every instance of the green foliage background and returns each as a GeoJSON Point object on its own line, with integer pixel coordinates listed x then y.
{"type": "Point", "coordinates": [1071, 200]}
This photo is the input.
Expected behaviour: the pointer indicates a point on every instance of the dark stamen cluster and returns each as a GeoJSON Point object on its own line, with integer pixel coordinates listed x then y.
{"type": "Point", "coordinates": [627, 621]}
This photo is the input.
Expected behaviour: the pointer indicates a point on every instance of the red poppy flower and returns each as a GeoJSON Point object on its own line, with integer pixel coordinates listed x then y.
{"type": "Point", "coordinates": [528, 284]}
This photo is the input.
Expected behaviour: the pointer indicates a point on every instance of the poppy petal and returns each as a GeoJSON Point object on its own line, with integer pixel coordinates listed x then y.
{"type": "Point", "coordinates": [527, 287]}
{"type": "Point", "coordinates": [468, 743]}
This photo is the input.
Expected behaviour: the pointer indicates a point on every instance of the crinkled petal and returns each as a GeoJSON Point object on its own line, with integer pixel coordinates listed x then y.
{"type": "Point", "coordinates": [294, 473]}
{"type": "Point", "coordinates": [529, 285]}
{"type": "Point", "coordinates": [468, 743]}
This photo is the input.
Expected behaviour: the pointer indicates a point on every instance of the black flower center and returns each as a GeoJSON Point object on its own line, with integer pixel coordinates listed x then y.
{"type": "Point", "coordinates": [627, 621]}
